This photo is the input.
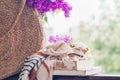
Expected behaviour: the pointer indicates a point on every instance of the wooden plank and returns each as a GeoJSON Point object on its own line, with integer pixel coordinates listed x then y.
{"type": "Point", "coordinates": [93, 77]}
{"type": "Point", "coordinates": [95, 70]}
{"type": "Point", "coordinates": [70, 78]}
{"type": "Point", "coordinates": [105, 77]}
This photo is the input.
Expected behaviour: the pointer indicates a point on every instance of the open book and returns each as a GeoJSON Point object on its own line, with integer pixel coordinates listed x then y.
{"type": "Point", "coordinates": [95, 70]}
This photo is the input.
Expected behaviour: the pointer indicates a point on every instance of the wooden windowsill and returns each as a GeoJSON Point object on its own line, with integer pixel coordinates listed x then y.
{"type": "Point", "coordinates": [105, 77]}
{"type": "Point", "coordinates": [91, 77]}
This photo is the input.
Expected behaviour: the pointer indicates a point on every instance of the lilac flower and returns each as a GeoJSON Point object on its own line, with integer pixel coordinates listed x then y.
{"type": "Point", "coordinates": [52, 39]}
{"type": "Point", "coordinates": [44, 6]}
{"type": "Point", "coordinates": [58, 38]}
{"type": "Point", "coordinates": [30, 2]}
{"type": "Point", "coordinates": [67, 39]}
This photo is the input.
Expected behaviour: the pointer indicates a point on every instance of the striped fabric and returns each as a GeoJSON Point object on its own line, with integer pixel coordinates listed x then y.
{"type": "Point", "coordinates": [30, 68]}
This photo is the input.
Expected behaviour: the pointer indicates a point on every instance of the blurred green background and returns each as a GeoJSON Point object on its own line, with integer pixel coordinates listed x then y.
{"type": "Point", "coordinates": [103, 38]}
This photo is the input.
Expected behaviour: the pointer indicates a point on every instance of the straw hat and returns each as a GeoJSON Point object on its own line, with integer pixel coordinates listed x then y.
{"type": "Point", "coordinates": [21, 33]}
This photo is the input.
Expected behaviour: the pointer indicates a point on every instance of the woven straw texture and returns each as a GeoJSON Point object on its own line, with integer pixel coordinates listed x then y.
{"type": "Point", "coordinates": [21, 34]}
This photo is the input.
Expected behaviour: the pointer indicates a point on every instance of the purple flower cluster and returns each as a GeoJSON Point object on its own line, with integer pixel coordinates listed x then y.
{"type": "Point", "coordinates": [58, 38]}
{"type": "Point", "coordinates": [44, 6]}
